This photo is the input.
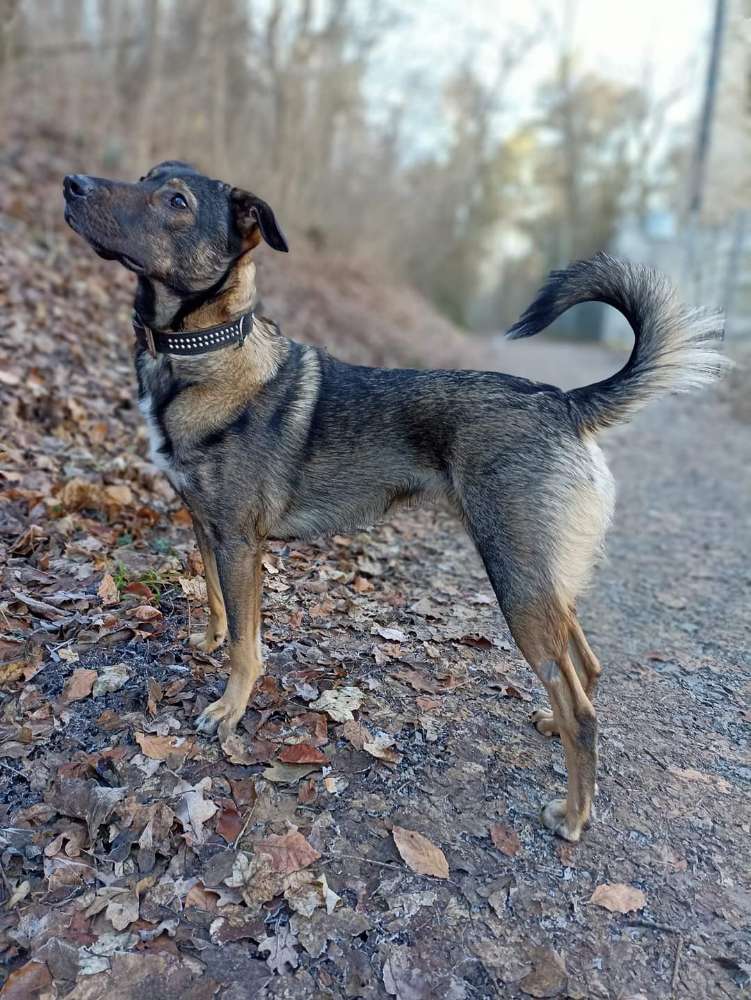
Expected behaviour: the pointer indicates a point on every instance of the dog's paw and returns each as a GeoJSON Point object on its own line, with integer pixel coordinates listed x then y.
{"type": "Point", "coordinates": [542, 720]}
{"type": "Point", "coordinates": [554, 818]}
{"type": "Point", "coordinates": [207, 641]}
{"type": "Point", "coordinates": [220, 715]}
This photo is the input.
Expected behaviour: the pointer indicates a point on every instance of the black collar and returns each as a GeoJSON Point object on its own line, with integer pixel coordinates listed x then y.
{"type": "Point", "coordinates": [189, 344]}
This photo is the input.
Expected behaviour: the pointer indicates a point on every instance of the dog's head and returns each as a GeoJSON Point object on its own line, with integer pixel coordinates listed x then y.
{"type": "Point", "coordinates": [174, 226]}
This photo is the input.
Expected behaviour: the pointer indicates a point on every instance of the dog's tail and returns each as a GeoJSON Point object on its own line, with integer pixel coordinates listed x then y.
{"type": "Point", "coordinates": [674, 347]}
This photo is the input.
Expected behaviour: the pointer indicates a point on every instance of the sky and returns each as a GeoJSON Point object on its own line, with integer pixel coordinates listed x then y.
{"type": "Point", "coordinates": [664, 42]}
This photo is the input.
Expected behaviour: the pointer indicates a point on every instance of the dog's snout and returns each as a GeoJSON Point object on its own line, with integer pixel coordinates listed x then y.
{"type": "Point", "coordinates": [78, 185]}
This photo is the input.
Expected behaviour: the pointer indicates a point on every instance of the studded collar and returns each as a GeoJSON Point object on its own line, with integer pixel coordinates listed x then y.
{"type": "Point", "coordinates": [192, 343]}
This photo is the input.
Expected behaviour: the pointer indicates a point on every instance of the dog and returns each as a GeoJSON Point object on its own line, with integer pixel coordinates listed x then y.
{"type": "Point", "coordinates": [264, 437]}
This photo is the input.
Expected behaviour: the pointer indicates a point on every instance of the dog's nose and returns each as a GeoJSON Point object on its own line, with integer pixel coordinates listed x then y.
{"type": "Point", "coordinates": [78, 185]}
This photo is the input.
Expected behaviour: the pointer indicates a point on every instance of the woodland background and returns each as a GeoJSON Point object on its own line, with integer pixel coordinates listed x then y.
{"type": "Point", "coordinates": [468, 177]}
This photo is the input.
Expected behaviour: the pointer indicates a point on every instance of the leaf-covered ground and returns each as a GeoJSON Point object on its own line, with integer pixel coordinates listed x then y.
{"type": "Point", "coordinates": [373, 831]}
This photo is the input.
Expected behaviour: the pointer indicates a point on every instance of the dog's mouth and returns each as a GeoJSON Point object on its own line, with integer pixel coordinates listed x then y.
{"type": "Point", "coordinates": [122, 258]}
{"type": "Point", "coordinates": [102, 251]}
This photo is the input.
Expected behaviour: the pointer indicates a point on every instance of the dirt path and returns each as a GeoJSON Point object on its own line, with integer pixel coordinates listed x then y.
{"type": "Point", "coordinates": [144, 861]}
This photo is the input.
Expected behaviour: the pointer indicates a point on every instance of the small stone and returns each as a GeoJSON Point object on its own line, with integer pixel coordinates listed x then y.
{"type": "Point", "coordinates": [111, 678]}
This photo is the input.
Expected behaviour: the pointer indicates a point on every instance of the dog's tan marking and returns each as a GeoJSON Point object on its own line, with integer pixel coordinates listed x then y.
{"type": "Point", "coordinates": [216, 628]}
{"type": "Point", "coordinates": [588, 670]}
{"type": "Point", "coordinates": [542, 633]}
{"type": "Point", "coordinates": [224, 381]}
{"type": "Point", "coordinates": [241, 576]}
{"type": "Point", "coordinates": [584, 659]}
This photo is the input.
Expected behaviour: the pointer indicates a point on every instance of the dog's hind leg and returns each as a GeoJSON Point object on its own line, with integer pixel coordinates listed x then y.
{"type": "Point", "coordinates": [216, 627]}
{"type": "Point", "coordinates": [587, 667]}
{"type": "Point", "coordinates": [241, 577]}
{"type": "Point", "coordinates": [542, 634]}
{"type": "Point", "coordinates": [584, 659]}
{"type": "Point", "coordinates": [537, 602]}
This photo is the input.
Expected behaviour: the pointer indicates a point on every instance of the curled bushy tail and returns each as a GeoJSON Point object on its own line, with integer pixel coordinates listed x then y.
{"type": "Point", "coordinates": [674, 349]}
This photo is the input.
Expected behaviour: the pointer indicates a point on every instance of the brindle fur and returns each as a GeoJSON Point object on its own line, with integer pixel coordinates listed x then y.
{"type": "Point", "coordinates": [277, 439]}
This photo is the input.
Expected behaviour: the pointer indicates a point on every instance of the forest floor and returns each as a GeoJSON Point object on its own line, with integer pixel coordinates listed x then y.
{"type": "Point", "coordinates": [141, 859]}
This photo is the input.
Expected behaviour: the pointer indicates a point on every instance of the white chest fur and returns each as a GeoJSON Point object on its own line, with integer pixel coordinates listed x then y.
{"type": "Point", "coordinates": [156, 444]}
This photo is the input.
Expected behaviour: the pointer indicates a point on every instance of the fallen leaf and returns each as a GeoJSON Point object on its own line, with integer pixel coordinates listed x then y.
{"type": "Point", "coordinates": [27, 982]}
{"type": "Point", "coordinates": [505, 838]}
{"type": "Point", "coordinates": [426, 704]}
{"type": "Point", "coordinates": [308, 896]}
{"type": "Point", "coordinates": [356, 733]}
{"type": "Point", "coordinates": [335, 783]}
{"type": "Point", "coordinates": [155, 695]}
{"type": "Point", "coordinates": [287, 774]}
{"type": "Point", "coordinates": [302, 753]}
{"type": "Point", "coordinates": [230, 822]}
{"type": "Point", "coordinates": [690, 775]}
{"type": "Point", "coordinates": [194, 811]}
{"type": "Point", "coordinates": [392, 634]}
{"type": "Point", "coordinates": [236, 750]}
{"type": "Point", "coordinates": [194, 587]}
{"type": "Point", "coordinates": [162, 747]}
{"type": "Point", "coordinates": [381, 747]}
{"type": "Point", "coordinates": [139, 589]}
{"type": "Point", "coordinates": [420, 854]}
{"type": "Point", "coordinates": [476, 640]}
{"type": "Point", "coordinates": [255, 879]}
{"type": "Point", "coordinates": [339, 703]}
{"type": "Point", "coordinates": [146, 613]}
{"type": "Point", "coordinates": [122, 910]}
{"type": "Point", "coordinates": [86, 800]}
{"type": "Point", "coordinates": [416, 680]}
{"type": "Point", "coordinates": [548, 977]}
{"type": "Point", "coordinates": [201, 898]}
{"type": "Point", "coordinates": [308, 791]}
{"type": "Point", "coordinates": [618, 897]}
{"type": "Point", "coordinates": [108, 591]}
{"type": "Point", "coordinates": [281, 950]}
{"type": "Point", "coordinates": [119, 494]}
{"type": "Point", "coordinates": [289, 852]}
{"type": "Point", "coordinates": [78, 685]}
{"type": "Point", "coordinates": [511, 691]}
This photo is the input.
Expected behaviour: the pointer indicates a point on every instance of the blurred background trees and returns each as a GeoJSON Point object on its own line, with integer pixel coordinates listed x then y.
{"type": "Point", "coordinates": [287, 97]}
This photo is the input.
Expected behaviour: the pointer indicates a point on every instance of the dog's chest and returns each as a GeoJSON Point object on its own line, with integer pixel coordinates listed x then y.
{"type": "Point", "coordinates": [154, 392]}
{"type": "Point", "coordinates": [159, 451]}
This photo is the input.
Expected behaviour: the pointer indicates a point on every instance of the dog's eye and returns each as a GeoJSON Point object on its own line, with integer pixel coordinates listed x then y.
{"type": "Point", "coordinates": [177, 201]}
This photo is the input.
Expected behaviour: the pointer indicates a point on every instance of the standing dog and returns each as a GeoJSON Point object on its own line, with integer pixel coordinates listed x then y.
{"type": "Point", "coordinates": [263, 437]}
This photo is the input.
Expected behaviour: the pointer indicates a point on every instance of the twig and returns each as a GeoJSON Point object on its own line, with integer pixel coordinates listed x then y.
{"type": "Point", "coordinates": [14, 770]}
{"type": "Point", "coordinates": [655, 759]}
{"type": "Point", "coordinates": [369, 861]}
{"type": "Point", "coordinates": [387, 864]}
{"type": "Point", "coordinates": [6, 883]}
{"type": "Point", "coordinates": [240, 835]}
{"type": "Point", "coordinates": [676, 964]}
{"type": "Point", "coordinates": [667, 928]}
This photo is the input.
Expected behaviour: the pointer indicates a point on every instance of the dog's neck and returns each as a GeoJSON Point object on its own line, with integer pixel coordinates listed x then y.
{"type": "Point", "coordinates": [239, 372]}
{"type": "Point", "coordinates": [161, 308]}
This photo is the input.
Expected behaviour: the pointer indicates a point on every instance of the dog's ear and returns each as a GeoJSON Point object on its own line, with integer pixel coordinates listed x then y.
{"type": "Point", "coordinates": [255, 219]}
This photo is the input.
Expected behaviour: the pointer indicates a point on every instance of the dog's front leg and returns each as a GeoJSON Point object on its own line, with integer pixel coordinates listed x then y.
{"type": "Point", "coordinates": [216, 629]}
{"type": "Point", "coordinates": [240, 575]}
